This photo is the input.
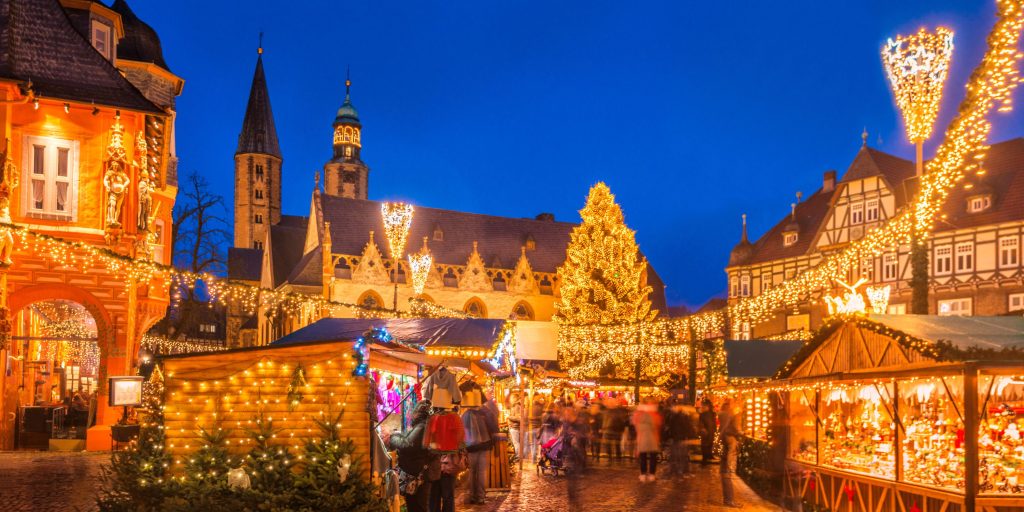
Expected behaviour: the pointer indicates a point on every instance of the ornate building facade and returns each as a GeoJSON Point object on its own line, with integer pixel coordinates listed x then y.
{"type": "Point", "coordinates": [87, 108]}
{"type": "Point", "coordinates": [975, 261]}
{"type": "Point", "coordinates": [485, 266]}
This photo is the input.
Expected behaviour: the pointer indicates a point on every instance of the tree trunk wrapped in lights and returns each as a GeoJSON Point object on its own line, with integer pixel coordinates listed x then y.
{"type": "Point", "coordinates": [605, 310]}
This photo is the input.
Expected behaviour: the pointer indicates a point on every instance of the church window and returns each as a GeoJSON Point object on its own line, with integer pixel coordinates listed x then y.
{"type": "Point", "coordinates": [965, 257]}
{"type": "Point", "coordinates": [259, 193]}
{"type": "Point", "coordinates": [52, 166]}
{"type": "Point", "coordinates": [259, 172]}
{"type": "Point", "coordinates": [890, 267]}
{"type": "Point", "coordinates": [348, 151]}
{"type": "Point", "coordinates": [1009, 252]}
{"type": "Point", "coordinates": [256, 244]}
{"type": "Point", "coordinates": [979, 203]}
{"type": "Point", "coordinates": [857, 213]}
{"type": "Point", "coordinates": [258, 218]}
{"type": "Point", "coordinates": [475, 308]}
{"type": "Point", "coordinates": [871, 210]}
{"type": "Point", "coordinates": [943, 260]}
{"type": "Point", "coordinates": [522, 311]}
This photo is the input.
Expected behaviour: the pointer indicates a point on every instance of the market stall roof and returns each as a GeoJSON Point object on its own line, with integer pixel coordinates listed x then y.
{"type": "Point", "coordinates": [986, 332]}
{"type": "Point", "coordinates": [758, 358]}
{"type": "Point", "coordinates": [449, 332]}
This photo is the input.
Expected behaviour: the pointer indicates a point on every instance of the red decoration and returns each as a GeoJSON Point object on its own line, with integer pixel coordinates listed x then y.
{"type": "Point", "coordinates": [849, 493]}
{"type": "Point", "coordinates": [915, 508]}
{"type": "Point", "coordinates": [810, 485]}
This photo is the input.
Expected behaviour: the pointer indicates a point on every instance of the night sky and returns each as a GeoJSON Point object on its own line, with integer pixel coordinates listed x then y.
{"type": "Point", "coordinates": [692, 112]}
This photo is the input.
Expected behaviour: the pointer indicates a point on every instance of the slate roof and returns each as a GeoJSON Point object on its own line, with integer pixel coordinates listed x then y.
{"type": "Point", "coordinates": [245, 264]}
{"type": "Point", "coordinates": [39, 43]}
{"type": "Point", "coordinates": [499, 238]}
{"type": "Point", "coordinates": [1004, 176]}
{"type": "Point", "coordinates": [287, 240]}
{"type": "Point", "coordinates": [758, 358]}
{"type": "Point", "coordinates": [259, 135]}
{"type": "Point", "coordinates": [140, 43]}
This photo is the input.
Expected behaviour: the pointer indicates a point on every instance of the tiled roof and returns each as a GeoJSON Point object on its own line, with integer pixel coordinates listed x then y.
{"type": "Point", "coordinates": [140, 43]}
{"type": "Point", "coordinates": [244, 264]}
{"type": "Point", "coordinates": [259, 135]}
{"type": "Point", "coordinates": [499, 238]}
{"type": "Point", "coordinates": [1004, 166]}
{"type": "Point", "coordinates": [286, 242]}
{"type": "Point", "coordinates": [39, 43]}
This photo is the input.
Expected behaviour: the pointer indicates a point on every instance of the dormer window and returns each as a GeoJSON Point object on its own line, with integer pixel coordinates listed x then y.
{"type": "Point", "coordinates": [100, 38]}
{"type": "Point", "coordinates": [789, 238]}
{"type": "Point", "coordinates": [979, 204]}
{"type": "Point", "coordinates": [531, 244]}
{"type": "Point", "coordinates": [438, 234]}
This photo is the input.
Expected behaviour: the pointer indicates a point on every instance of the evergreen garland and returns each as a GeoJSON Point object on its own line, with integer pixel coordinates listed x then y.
{"type": "Point", "coordinates": [295, 387]}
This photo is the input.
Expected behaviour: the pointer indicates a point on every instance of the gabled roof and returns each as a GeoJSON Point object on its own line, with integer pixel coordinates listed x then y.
{"type": "Point", "coordinates": [244, 264]}
{"type": "Point", "coordinates": [259, 135]}
{"type": "Point", "coordinates": [498, 238]}
{"type": "Point", "coordinates": [1004, 166]}
{"type": "Point", "coordinates": [39, 43]}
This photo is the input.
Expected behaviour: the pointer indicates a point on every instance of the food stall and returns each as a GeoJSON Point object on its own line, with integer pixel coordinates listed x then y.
{"type": "Point", "coordinates": [903, 413]}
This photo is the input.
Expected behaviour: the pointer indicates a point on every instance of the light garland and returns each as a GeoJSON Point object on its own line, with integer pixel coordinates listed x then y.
{"type": "Point", "coordinates": [420, 265]}
{"type": "Point", "coordinates": [425, 309]}
{"type": "Point", "coordinates": [397, 220]}
{"type": "Point", "coordinates": [878, 296]}
{"type": "Point", "coordinates": [163, 345]}
{"type": "Point", "coordinates": [917, 66]}
{"type": "Point", "coordinates": [962, 151]}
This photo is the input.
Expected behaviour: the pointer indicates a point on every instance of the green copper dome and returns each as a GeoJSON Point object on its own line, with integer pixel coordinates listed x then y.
{"type": "Point", "coordinates": [347, 114]}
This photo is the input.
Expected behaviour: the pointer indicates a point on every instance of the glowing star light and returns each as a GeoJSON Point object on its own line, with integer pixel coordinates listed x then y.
{"type": "Point", "coordinates": [917, 66]}
{"type": "Point", "coordinates": [397, 219]}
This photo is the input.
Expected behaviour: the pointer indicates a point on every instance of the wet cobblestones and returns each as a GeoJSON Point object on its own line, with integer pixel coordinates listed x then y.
{"type": "Point", "coordinates": [45, 481]}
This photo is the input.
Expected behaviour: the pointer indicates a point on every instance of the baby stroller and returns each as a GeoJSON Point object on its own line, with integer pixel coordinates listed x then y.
{"type": "Point", "coordinates": [552, 456]}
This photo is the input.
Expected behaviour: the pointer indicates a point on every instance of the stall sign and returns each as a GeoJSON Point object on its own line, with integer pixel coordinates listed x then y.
{"type": "Point", "coordinates": [125, 391]}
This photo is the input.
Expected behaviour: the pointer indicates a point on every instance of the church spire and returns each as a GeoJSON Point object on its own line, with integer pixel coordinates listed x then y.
{"type": "Point", "coordinates": [259, 135]}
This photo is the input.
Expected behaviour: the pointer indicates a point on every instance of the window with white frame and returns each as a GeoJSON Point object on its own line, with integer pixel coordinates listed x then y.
{"type": "Point", "coordinates": [979, 203]}
{"type": "Point", "coordinates": [943, 260]}
{"type": "Point", "coordinates": [857, 213]}
{"type": "Point", "coordinates": [896, 309]}
{"type": "Point", "coordinates": [744, 333]}
{"type": "Point", "coordinates": [101, 39]}
{"type": "Point", "coordinates": [51, 170]}
{"type": "Point", "coordinates": [745, 285]}
{"type": "Point", "coordinates": [1009, 252]}
{"type": "Point", "coordinates": [734, 286]}
{"type": "Point", "coordinates": [890, 267]}
{"type": "Point", "coordinates": [871, 210]}
{"type": "Point", "coordinates": [965, 257]}
{"type": "Point", "coordinates": [1015, 302]}
{"type": "Point", "coordinates": [789, 238]}
{"type": "Point", "coordinates": [955, 307]}
{"type": "Point", "coordinates": [867, 267]}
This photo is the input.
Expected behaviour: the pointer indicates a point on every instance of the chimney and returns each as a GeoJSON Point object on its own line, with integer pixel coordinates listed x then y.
{"type": "Point", "coordinates": [828, 182]}
{"type": "Point", "coordinates": [549, 217]}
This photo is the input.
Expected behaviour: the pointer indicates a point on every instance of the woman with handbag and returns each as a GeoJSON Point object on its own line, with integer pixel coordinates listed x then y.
{"type": "Point", "coordinates": [414, 461]}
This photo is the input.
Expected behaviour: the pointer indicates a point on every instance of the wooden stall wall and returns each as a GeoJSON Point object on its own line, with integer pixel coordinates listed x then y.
{"type": "Point", "coordinates": [836, 491]}
{"type": "Point", "coordinates": [290, 386]}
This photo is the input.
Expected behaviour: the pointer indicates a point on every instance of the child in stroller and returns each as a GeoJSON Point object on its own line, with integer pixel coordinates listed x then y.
{"type": "Point", "coordinates": [553, 455]}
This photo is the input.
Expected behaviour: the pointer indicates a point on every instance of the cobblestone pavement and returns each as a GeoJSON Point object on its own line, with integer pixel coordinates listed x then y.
{"type": "Point", "coordinates": [49, 481]}
{"type": "Point", "coordinates": [614, 487]}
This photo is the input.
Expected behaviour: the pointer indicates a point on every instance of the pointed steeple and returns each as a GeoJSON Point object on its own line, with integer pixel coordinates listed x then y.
{"type": "Point", "coordinates": [742, 251]}
{"type": "Point", "coordinates": [259, 135]}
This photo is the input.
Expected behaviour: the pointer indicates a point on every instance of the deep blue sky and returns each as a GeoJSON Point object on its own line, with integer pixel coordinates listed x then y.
{"type": "Point", "coordinates": [692, 112]}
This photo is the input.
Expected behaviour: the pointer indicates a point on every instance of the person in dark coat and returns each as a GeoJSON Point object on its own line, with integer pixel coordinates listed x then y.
{"type": "Point", "coordinates": [413, 459]}
{"type": "Point", "coordinates": [708, 427]}
{"type": "Point", "coordinates": [613, 423]}
{"type": "Point", "coordinates": [679, 431]}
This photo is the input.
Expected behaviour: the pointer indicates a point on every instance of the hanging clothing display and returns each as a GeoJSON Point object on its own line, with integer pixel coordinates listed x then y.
{"type": "Point", "coordinates": [444, 432]}
{"type": "Point", "coordinates": [442, 389]}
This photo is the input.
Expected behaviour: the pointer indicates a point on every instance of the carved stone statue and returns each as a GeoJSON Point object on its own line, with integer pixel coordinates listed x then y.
{"type": "Point", "coordinates": [8, 180]}
{"type": "Point", "coordinates": [115, 179]}
{"type": "Point", "coordinates": [145, 185]}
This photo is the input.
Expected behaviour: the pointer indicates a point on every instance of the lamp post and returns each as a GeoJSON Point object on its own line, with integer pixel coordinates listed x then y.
{"type": "Point", "coordinates": [397, 219]}
{"type": "Point", "coordinates": [917, 66]}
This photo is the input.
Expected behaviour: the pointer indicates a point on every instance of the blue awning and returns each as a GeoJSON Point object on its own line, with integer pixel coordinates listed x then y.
{"type": "Point", "coordinates": [425, 332]}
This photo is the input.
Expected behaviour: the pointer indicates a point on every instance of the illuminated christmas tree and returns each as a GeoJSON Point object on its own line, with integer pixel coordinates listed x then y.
{"type": "Point", "coordinates": [603, 282]}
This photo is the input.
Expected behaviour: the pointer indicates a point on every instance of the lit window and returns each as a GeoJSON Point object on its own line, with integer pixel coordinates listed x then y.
{"type": "Point", "coordinates": [965, 257]}
{"type": "Point", "coordinates": [890, 267]}
{"type": "Point", "coordinates": [979, 203]}
{"type": "Point", "coordinates": [52, 174]}
{"type": "Point", "coordinates": [348, 151]}
{"type": "Point", "coordinates": [955, 307]}
{"type": "Point", "coordinates": [531, 244]}
{"type": "Point", "coordinates": [857, 213]}
{"type": "Point", "coordinates": [744, 333]}
{"type": "Point", "coordinates": [871, 210]}
{"type": "Point", "coordinates": [158, 241]}
{"type": "Point", "coordinates": [789, 238]}
{"type": "Point", "coordinates": [943, 260]}
{"type": "Point", "coordinates": [1009, 252]}
{"type": "Point", "coordinates": [867, 268]}
{"type": "Point", "coordinates": [896, 309]}
{"type": "Point", "coordinates": [745, 286]}
{"type": "Point", "coordinates": [101, 38]}
{"type": "Point", "coordinates": [258, 218]}
{"type": "Point", "coordinates": [1016, 302]}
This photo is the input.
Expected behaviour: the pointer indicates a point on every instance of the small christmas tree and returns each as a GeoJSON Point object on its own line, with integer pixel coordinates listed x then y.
{"type": "Point", "coordinates": [211, 461]}
{"type": "Point", "coordinates": [270, 464]}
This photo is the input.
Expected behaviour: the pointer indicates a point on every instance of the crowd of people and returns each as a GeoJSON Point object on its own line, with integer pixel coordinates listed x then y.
{"type": "Point", "coordinates": [650, 433]}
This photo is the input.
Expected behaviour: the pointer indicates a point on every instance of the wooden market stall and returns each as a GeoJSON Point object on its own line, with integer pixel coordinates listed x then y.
{"type": "Point", "coordinates": [903, 413]}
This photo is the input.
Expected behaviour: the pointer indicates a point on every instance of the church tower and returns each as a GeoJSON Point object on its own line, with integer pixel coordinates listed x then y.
{"type": "Point", "coordinates": [257, 167]}
{"type": "Point", "coordinates": [345, 174]}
